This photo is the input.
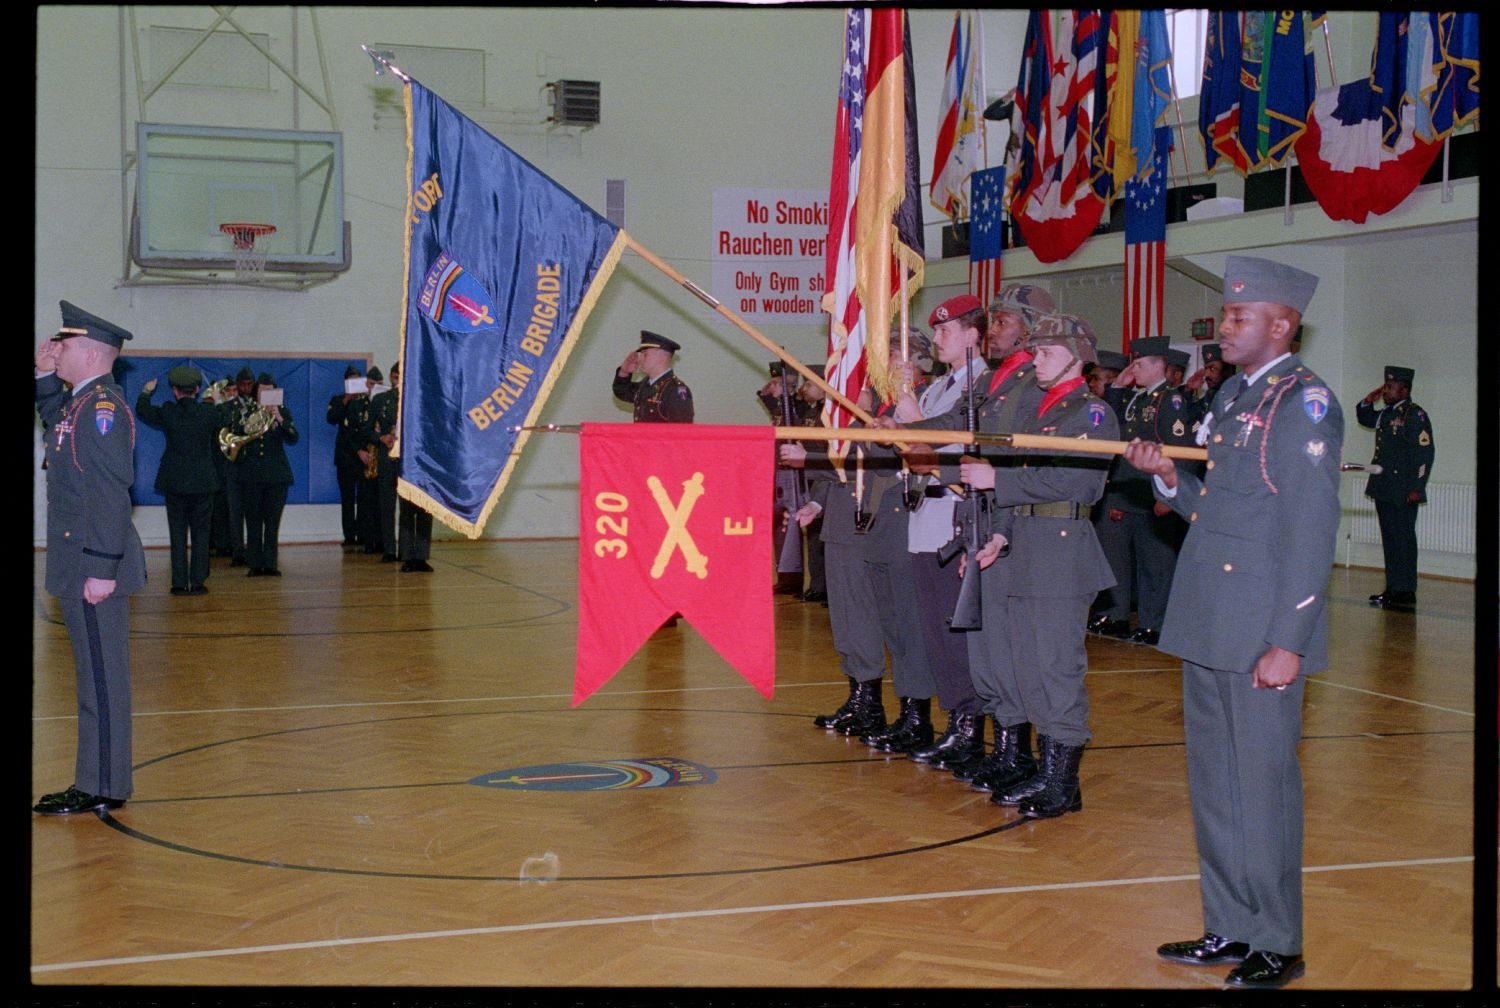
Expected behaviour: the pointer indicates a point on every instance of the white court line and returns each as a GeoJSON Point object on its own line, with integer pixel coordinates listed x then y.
{"type": "Point", "coordinates": [691, 914]}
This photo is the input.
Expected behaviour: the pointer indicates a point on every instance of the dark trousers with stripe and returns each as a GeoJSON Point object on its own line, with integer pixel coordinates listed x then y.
{"type": "Point", "coordinates": [1398, 539]}
{"type": "Point", "coordinates": [100, 635]}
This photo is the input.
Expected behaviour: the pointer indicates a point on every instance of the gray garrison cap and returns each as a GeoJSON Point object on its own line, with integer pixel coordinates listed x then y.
{"type": "Point", "coordinates": [1248, 278]}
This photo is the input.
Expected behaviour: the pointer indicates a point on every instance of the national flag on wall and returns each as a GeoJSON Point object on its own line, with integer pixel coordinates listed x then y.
{"type": "Point", "coordinates": [1443, 71]}
{"type": "Point", "coordinates": [503, 267]}
{"type": "Point", "coordinates": [986, 233]}
{"type": "Point", "coordinates": [960, 138]}
{"type": "Point", "coordinates": [874, 216]}
{"type": "Point", "coordinates": [1343, 153]}
{"type": "Point", "coordinates": [1291, 83]}
{"type": "Point", "coordinates": [674, 518]}
{"type": "Point", "coordinates": [1146, 243]}
{"type": "Point", "coordinates": [1219, 101]}
{"type": "Point", "coordinates": [1054, 203]}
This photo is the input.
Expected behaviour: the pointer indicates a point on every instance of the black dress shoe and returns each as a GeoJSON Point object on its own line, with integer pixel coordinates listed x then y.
{"type": "Point", "coordinates": [1110, 627]}
{"type": "Point", "coordinates": [1210, 950]}
{"type": "Point", "coordinates": [814, 596]}
{"type": "Point", "coordinates": [270, 572]}
{"type": "Point", "coordinates": [1399, 601]}
{"type": "Point", "coordinates": [388, 558]}
{"type": "Point", "coordinates": [1266, 970]}
{"type": "Point", "coordinates": [1145, 635]}
{"type": "Point", "coordinates": [198, 590]}
{"type": "Point", "coordinates": [73, 800]}
{"type": "Point", "coordinates": [1377, 599]}
{"type": "Point", "coordinates": [421, 566]}
{"type": "Point", "coordinates": [255, 572]}
{"type": "Point", "coordinates": [371, 550]}
{"type": "Point", "coordinates": [180, 591]}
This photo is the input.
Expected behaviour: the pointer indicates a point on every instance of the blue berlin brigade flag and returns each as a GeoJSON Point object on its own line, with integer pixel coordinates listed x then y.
{"type": "Point", "coordinates": [503, 267]}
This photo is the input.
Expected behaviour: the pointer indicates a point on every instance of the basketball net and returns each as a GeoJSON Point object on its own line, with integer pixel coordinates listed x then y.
{"type": "Point", "coordinates": [249, 261]}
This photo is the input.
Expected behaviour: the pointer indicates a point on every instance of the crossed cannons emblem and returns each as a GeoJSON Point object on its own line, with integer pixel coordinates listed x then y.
{"type": "Point", "coordinates": [677, 537]}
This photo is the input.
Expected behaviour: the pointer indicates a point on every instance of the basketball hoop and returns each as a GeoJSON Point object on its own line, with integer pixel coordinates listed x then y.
{"type": "Point", "coordinates": [249, 261]}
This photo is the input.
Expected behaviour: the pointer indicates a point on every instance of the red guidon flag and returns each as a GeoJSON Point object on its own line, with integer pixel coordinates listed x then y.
{"type": "Point", "coordinates": [674, 518]}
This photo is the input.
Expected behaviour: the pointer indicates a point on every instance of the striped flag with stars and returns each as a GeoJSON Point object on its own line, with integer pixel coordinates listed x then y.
{"type": "Point", "coordinates": [986, 232]}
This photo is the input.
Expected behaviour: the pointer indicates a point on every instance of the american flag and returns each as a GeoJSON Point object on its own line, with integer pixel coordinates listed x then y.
{"type": "Point", "coordinates": [1146, 243]}
{"type": "Point", "coordinates": [986, 229]}
{"type": "Point", "coordinates": [874, 220]}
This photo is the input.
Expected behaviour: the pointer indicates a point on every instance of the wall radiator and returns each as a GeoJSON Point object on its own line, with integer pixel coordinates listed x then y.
{"type": "Point", "coordinates": [1445, 523]}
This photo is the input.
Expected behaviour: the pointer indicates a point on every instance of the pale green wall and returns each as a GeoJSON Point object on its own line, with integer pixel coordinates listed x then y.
{"type": "Point", "coordinates": [691, 100]}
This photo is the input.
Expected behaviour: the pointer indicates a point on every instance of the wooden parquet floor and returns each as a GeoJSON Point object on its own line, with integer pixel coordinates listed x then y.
{"type": "Point", "coordinates": [307, 811]}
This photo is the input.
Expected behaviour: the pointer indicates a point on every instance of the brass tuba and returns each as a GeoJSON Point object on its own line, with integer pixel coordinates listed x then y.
{"type": "Point", "coordinates": [256, 425]}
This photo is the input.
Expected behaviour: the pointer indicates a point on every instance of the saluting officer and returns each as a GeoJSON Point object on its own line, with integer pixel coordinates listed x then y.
{"type": "Point", "coordinates": [94, 556]}
{"type": "Point", "coordinates": [1139, 535]}
{"type": "Point", "coordinates": [188, 475]}
{"type": "Point", "coordinates": [1404, 452]}
{"type": "Point", "coordinates": [661, 397]}
{"type": "Point", "coordinates": [1249, 619]}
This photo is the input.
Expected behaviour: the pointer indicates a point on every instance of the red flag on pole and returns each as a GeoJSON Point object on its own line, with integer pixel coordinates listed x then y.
{"type": "Point", "coordinates": [674, 518]}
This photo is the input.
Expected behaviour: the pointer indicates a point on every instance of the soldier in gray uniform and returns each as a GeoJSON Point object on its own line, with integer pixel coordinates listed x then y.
{"type": "Point", "coordinates": [1248, 617]}
{"type": "Point", "coordinates": [998, 406]}
{"type": "Point", "coordinates": [94, 556]}
{"type": "Point", "coordinates": [662, 397]}
{"type": "Point", "coordinates": [1048, 566]}
{"type": "Point", "coordinates": [1140, 536]}
{"type": "Point", "coordinates": [1404, 452]}
{"type": "Point", "coordinates": [188, 476]}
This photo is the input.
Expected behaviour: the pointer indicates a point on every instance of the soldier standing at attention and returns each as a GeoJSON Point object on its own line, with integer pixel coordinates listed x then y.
{"type": "Point", "coordinates": [94, 556]}
{"type": "Point", "coordinates": [1248, 617]}
{"type": "Point", "coordinates": [662, 397]}
{"type": "Point", "coordinates": [1404, 452]}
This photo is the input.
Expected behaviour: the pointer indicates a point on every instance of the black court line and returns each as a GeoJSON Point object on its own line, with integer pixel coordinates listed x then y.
{"type": "Point", "coordinates": [882, 758]}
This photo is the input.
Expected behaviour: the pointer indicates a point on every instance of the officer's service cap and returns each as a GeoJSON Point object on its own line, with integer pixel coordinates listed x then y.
{"type": "Point", "coordinates": [953, 308]}
{"type": "Point", "coordinates": [1404, 375]}
{"type": "Point", "coordinates": [1177, 358]}
{"type": "Point", "coordinates": [655, 341]}
{"type": "Point", "coordinates": [77, 322]}
{"type": "Point", "coordinates": [1028, 301]}
{"type": "Point", "coordinates": [1249, 278]}
{"type": "Point", "coordinates": [1113, 359]}
{"type": "Point", "coordinates": [184, 376]}
{"type": "Point", "coordinates": [1211, 353]}
{"type": "Point", "coordinates": [245, 375]}
{"type": "Point", "coordinates": [265, 379]}
{"type": "Point", "coordinates": [1149, 346]}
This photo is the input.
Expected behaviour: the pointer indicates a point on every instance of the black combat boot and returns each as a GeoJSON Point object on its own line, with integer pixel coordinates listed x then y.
{"type": "Point", "coordinates": [827, 720]}
{"type": "Point", "coordinates": [866, 711]}
{"type": "Point", "coordinates": [1012, 758]}
{"type": "Point", "coordinates": [1030, 785]}
{"type": "Point", "coordinates": [1060, 791]}
{"type": "Point", "coordinates": [963, 742]}
{"type": "Point", "coordinates": [912, 728]}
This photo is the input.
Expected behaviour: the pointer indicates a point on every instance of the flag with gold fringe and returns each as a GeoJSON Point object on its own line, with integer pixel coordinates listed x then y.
{"type": "Point", "coordinates": [503, 265]}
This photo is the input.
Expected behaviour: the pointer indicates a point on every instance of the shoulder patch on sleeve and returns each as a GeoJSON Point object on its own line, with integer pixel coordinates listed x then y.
{"type": "Point", "coordinates": [1315, 399]}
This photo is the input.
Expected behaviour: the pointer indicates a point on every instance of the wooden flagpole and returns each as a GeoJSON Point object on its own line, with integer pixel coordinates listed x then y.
{"type": "Point", "coordinates": [748, 330]}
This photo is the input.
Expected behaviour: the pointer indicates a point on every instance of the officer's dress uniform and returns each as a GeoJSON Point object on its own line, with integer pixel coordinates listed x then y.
{"type": "Point", "coordinates": [665, 400]}
{"type": "Point", "coordinates": [265, 477]}
{"type": "Point", "coordinates": [237, 412]}
{"type": "Point", "coordinates": [1404, 450]}
{"type": "Point", "coordinates": [188, 478]}
{"type": "Point", "coordinates": [90, 440]}
{"type": "Point", "coordinates": [415, 541]}
{"type": "Point", "coordinates": [1049, 577]}
{"type": "Point", "coordinates": [1253, 572]}
{"type": "Point", "coordinates": [1142, 548]}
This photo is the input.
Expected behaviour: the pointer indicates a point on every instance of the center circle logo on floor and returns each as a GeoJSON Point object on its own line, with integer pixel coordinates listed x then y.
{"type": "Point", "coordinates": [605, 775]}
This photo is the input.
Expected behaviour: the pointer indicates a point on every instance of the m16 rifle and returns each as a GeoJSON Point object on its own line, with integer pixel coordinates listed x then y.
{"type": "Point", "coordinates": [972, 523]}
